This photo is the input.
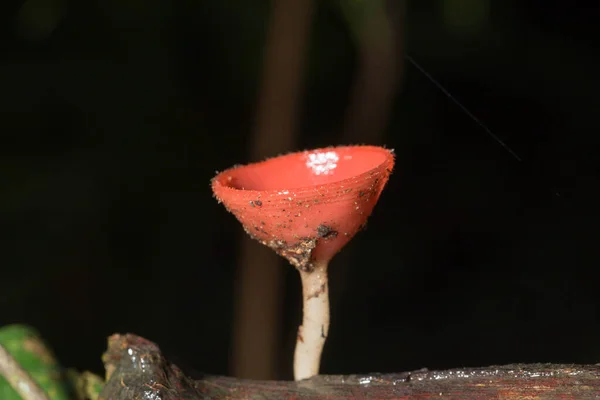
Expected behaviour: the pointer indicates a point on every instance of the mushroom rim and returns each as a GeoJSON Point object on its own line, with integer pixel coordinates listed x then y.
{"type": "Point", "coordinates": [389, 158]}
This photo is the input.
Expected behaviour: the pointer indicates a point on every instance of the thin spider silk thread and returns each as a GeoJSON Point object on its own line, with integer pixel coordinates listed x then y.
{"type": "Point", "coordinates": [463, 108]}
{"type": "Point", "coordinates": [466, 111]}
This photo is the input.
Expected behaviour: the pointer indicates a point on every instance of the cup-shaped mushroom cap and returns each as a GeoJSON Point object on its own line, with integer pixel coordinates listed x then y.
{"type": "Point", "coordinates": [306, 205]}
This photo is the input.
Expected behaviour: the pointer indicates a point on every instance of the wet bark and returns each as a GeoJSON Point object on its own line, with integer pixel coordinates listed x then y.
{"type": "Point", "coordinates": [137, 370]}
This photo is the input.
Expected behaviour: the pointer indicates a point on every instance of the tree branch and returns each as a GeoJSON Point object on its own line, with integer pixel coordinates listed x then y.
{"type": "Point", "coordinates": [138, 371]}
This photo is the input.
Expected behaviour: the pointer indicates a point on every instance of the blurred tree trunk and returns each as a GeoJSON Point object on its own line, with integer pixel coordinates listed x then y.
{"type": "Point", "coordinates": [259, 277]}
{"type": "Point", "coordinates": [377, 27]}
{"type": "Point", "coordinates": [378, 30]}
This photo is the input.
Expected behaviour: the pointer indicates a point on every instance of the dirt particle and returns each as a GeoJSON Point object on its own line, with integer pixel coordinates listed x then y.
{"type": "Point", "coordinates": [326, 232]}
{"type": "Point", "coordinates": [258, 203]}
{"type": "Point", "coordinates": [298, 254]}
{"type": "Point", "coordinates": [361, 193]}
{"type": "Point", "coordinates": [318, 292]}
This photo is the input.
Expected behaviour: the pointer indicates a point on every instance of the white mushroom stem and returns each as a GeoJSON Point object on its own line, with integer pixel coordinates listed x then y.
{"type": "Point", "coordinates": [315, 322]}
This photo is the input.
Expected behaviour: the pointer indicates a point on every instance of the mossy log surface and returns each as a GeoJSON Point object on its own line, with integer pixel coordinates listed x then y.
{"type": "Point", "coordinates": [137, 370]}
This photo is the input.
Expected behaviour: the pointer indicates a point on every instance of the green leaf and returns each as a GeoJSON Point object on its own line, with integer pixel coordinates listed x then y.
{"type": "Point", "coordinates": [26, 346]}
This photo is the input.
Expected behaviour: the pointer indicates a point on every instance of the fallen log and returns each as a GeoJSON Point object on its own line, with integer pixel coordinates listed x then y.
{"type": "Point", "coordinates": [137, 370]}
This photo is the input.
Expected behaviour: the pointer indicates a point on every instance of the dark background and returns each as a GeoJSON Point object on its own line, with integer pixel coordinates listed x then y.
{"type": "Point", "coordinates": [115, 115]}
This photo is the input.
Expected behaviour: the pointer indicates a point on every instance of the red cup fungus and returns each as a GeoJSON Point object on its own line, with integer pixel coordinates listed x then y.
{"type": "Point", "coordinates": [306, 206]}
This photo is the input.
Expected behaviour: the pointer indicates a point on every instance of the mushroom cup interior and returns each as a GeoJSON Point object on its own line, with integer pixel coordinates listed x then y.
{"type": "Point", "coordinates": [303, 169]}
